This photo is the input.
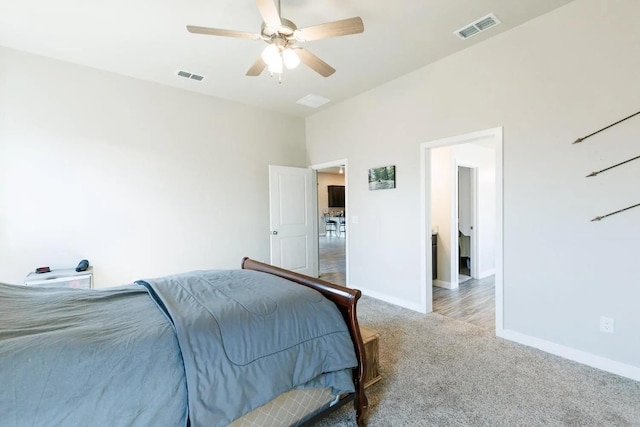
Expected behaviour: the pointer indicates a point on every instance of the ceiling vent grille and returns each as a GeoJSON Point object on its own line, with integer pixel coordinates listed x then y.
{"type": "Point", "coordinates": [188, 75]}
{"type": "Point", "coordinates": [478, 26]}
{"type": "Point", "coordinates": [313, 101]}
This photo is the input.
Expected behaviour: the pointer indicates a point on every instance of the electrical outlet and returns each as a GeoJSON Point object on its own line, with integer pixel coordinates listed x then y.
{"type": "Point", "coordinates": [606, 324]}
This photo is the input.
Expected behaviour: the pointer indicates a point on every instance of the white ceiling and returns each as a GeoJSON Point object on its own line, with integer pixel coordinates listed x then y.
{"type": "Point", "coordinates": [147, 39]}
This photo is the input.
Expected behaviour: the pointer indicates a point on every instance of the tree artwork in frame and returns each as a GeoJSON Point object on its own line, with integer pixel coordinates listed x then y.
{"type": "Point", "coordinates": [382, 178]}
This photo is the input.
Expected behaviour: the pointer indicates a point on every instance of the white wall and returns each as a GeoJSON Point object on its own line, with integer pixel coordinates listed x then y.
{"type": "Point", "coordinates": [444, 166]}
{"type": "Point", "coordinates": [483, 158]}
{"type": "Point", "coordinates": [141, 179]}
{"type": "Point", "coordinates": [547, 82]}
{"type": "Point", "coordinates": [441, 205]}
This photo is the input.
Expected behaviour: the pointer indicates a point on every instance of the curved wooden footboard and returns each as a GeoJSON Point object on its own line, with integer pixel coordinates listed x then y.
{"type": "Point", "coordinates": [346, 300]}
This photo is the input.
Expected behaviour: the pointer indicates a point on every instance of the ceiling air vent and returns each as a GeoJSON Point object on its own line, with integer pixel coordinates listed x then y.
{"type": "Point", "coordinates": [313, 101]}
{"type": "Point", "coordinates": [188, 75]}
{"type": "Point", "coordinates": [478, 26]}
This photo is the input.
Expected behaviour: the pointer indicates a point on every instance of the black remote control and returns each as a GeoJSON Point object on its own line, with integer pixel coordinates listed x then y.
{"type": "Point", "coordinates": [83, 265]}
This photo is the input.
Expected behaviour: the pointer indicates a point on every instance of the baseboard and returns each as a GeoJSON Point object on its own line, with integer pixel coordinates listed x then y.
{"type": "Point", "coordinates": [391, 300]}
{"type": "Point", "coordinates": [487, 273]}
{"type": "Point", "coordinates": [443, 284]}
{"type": "Point", "coordinates": [599, 362]}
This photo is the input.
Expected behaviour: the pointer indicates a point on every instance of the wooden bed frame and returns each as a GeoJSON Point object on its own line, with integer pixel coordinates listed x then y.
{"type": "Point", "coordinates": [345, 299]}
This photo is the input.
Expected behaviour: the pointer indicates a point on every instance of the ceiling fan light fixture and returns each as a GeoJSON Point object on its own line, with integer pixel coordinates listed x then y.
{"type": "Point", "coordinates": [282, 35]}
{"type": "Point", "coordinates": [290, 58]}
{"type": "Point", "coordinates": [276, 65]}
{"type": "Point", "coordinates": [271, 55]}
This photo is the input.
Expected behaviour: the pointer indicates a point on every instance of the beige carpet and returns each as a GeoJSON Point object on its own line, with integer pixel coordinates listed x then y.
{"type": "Point", "coordinates": [441, 372]}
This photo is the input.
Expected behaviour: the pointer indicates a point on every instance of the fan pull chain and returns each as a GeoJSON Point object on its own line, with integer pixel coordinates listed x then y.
{"type": "Point", "coordinates": [279, 77]}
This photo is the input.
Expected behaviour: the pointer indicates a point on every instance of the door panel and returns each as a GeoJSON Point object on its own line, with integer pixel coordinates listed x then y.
{"type": "Point", "coordinates": [293, 197]}
{"type": "Point", "coordinates": [293, 253]}
{"type": "Point", "coordinates": [292, 200]}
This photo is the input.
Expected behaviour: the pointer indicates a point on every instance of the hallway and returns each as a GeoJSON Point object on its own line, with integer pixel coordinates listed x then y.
{"type": "Point", "coordinates": [472, 302]}
{"type": "Point", "coordinates": [332, 266]}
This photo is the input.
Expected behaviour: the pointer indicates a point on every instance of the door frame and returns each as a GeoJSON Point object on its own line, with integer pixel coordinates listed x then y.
{"type": "Point", "coordinates": [496, 135]}
{"type": "Point", "coordinates": [334, 163]}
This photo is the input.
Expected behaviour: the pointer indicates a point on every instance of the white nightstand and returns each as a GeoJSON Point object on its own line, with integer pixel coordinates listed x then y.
{"type": "Point", "coordinates": [65, 278]}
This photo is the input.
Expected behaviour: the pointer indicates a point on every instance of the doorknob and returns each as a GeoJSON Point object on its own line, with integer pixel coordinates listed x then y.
{"type": "Point", "coordinates": [274, 232]}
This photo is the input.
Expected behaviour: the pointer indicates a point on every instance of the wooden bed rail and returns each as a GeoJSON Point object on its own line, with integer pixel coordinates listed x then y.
{"type": "Point", "coordinates": [346, 300]}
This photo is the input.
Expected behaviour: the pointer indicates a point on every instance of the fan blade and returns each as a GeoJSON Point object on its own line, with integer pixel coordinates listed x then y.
{"type": "Point", "coordinates": [269, 13]}
{"type": "Point", "coordinates": [315, 63]}
{"type": "Point", "coordinates": [256, 68]}
{"type": "Point", "coordinates": [331, 29]}
{"type": "Point", "coordinates": [220, 32]}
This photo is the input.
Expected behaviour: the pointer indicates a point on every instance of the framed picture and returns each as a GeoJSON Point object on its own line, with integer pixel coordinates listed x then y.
{"type": "Point", "coordinates": [382, 178]}
{"type": "Point", "coordinates": [335, 196]}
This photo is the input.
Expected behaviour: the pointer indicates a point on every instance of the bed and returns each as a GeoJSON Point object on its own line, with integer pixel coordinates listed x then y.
{"type": "Point", "coordinates": [249, 347]}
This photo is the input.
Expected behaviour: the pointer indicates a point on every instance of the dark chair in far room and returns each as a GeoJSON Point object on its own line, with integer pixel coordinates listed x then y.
{"type": "Point", "coordinates": [342, 225]}
{"type": "Point", "coordinates": [330, 225]}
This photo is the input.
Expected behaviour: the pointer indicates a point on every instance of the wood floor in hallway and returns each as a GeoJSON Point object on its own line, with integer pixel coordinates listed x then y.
{"type": "Point", "coordinates": [333, 266]}
{"type": "Point", "coordinates": [472, 302]}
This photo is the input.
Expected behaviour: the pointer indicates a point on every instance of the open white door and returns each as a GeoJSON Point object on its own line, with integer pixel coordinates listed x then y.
{"type": "Point", "coordinates": [294, 236]}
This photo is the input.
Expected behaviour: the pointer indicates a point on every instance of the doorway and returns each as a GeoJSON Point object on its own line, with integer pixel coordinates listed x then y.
{"type": "Point", "coordinates": [332, 221]}
{"type": "Point", "coordinates": [455, 205]}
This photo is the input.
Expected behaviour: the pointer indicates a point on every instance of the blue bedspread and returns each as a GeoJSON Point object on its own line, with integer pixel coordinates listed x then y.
{"type": "Point", "coordinates": [246, 337]}
{"type": "Point", "coordinates": [74, 357]}
{"type": "Point", "coordinates": [223, 343]}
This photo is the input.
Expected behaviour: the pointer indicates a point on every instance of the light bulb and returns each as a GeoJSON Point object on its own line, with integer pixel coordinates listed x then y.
{"type": "Point", "coordinates": [291, 59]}
{"type": "Point", "coordinates": [271, 54]}
{"type": "Point", "coordinates": [276, 65]}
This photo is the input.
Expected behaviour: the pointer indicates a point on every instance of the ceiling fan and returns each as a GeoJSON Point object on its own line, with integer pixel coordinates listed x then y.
{"type": "Point", "coordinates": [284, 38]}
